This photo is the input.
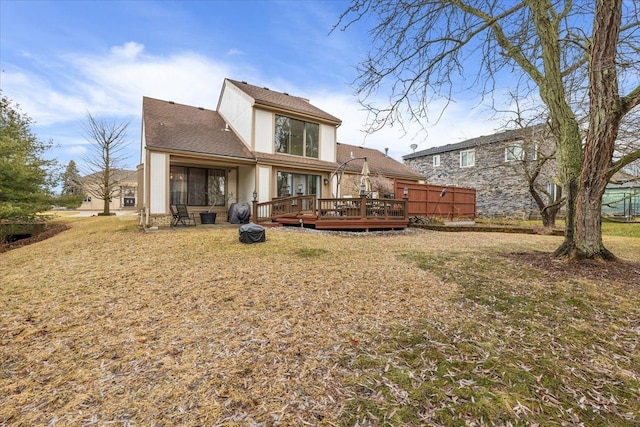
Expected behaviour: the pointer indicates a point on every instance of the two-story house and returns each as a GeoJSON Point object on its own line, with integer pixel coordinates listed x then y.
{"type": "Point", "coordinates": [257, 143]}
{"type": "Point", "coordinates": [497, 167]}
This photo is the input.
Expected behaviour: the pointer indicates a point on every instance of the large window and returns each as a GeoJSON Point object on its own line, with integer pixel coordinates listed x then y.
{"type": "Point", "coordinates": [290, 184]}
{"type": "Point", "coordinates": [197, 186]}
{"type": "Point", "coordinates": [296, 137]}
{"type": "Point", "coordinates": [467, 158]}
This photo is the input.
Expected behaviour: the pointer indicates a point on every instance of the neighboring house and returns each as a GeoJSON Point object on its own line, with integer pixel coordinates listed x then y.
{"type": "Point", "coordinates": [621, 198]}
{"type": "Point", "coordinates": [493, 165]}
{"type": "Point", "coordinates": [125, 196]}
{"type": "Point", "coordinates": [258, 142]}
{"type": "Point", "coordinates": [382, 171]}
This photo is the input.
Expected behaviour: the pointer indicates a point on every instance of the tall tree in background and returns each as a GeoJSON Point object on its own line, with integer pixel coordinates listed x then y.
{"type": "Point", "coordinates": [72, 193]}
{"type": "Point", "coordinates": [104, 158]}
{"type": "Point", "coordinates": [565, 51]}
{"type": "Point", "coordinates": [26, 178]}
{"type": "Point", "coordinates": [71, 184]}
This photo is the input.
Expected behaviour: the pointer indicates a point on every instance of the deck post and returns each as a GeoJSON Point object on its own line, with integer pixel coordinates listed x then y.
{"type": "Point", "coordinates": [405, 197]}
{"type": "Point", "coordinates": [254, 211]}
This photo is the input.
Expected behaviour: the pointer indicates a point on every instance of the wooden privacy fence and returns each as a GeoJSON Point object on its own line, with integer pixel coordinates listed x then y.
{"type": "Point", "coordinates": [426, 200]}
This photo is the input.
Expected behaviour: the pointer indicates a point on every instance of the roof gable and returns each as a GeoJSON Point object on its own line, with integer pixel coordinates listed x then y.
{"type": "Point", "coordinates": [180, 127]}
{"type": "Point", "coordinates": [272, 99]}
{"type": "Point", "coordinates": [378, 162]}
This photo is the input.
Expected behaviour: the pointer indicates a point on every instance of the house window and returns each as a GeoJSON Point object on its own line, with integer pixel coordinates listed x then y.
{"type": "Point", "coordinates": [197, 186]}
{"type": "Point", "coordinates": [513, 152]}
{"type": "Point", "coordinates": [467, 158]}
{"type": "Point", "coordinates": [436, 160]}
{"type": "Point", "coordinates": [289, 184]}
{"type": "Point", "coordinates": [129, 194]}
{"type": "Point", "coordinates": [296, 137]}
{"type": "Point", "coordinates": [552, 190]}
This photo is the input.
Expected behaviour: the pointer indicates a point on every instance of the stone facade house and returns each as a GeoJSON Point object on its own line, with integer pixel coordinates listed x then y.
{"type": "Point", "coordinates": [258, 143]}
{"type": "Point", "coordinates": [494, 165]}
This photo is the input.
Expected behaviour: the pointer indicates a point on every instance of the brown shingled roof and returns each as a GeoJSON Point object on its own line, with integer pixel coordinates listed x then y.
{"type": "Point", "coordinates": [274, 99]}
{"type": "Point", "coordinates": [172, 126]}
{"type": "Point", "coordinates": [295, 161]}
{"type": "Point", "coordinates": [377, 161]}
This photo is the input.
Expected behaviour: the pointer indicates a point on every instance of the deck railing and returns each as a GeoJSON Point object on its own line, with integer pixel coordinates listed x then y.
{"type": "Point", "coordinates": [361, 208]}
{"type": "Point", "coordinates": [284, 207]}
{"type": "Point", "coordinates": [331, 209]}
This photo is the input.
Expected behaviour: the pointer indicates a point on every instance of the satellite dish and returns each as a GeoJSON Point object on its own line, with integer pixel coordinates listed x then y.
{"type": "Point", "coordinates": [413, 147]}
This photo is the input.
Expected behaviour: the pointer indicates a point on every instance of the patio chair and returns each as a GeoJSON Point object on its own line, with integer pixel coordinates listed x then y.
{"type": "Point", "coordinates": [175, 218]}
{"type": "Point", "coordinates": [181, 216]}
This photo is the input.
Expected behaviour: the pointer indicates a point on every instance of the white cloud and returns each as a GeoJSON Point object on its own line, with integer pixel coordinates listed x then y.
{"type": "Point", "coordinates": [75, 150]}
{"type": "Point", "coordinates": [129, 50]}
{"type": "Point", "coordinates": [113, 84]}
{"type": "Point", "coordinates": [234, 52]}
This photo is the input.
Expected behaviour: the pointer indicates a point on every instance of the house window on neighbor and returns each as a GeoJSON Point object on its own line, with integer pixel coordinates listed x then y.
{"type": "Point", "coordinates": [196, 186]}
{"type": "Point", "coordinates": [296, 137]}
{"type": "Point", "coordinates": [436, 160]}
{"type": "Point", "coordinates": [513, 152]}
{"type": "Point", "coordinates": [467, 158]}
{"type": "Point", "coordinates": [129, 194]}
{"type": "Point", "coordinates": [553, 191]}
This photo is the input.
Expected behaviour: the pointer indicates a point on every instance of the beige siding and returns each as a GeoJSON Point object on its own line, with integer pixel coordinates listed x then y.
{"type": "Point", "coordinates": [264, 187]}
{"type": "Point", "coordinates": [327, 143]}
{"type": "Point", "coordinates": [264, 131]}
{"type": "Point", "coordinates": [158, 183]}
{"type": "Point", "coordinates": [236, 109]}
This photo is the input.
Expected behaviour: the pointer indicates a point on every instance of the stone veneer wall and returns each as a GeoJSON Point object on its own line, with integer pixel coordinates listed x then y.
{"type": "Point", "coordinates": [502, 191]}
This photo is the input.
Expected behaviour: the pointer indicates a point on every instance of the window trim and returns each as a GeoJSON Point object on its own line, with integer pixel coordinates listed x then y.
{"type": "Point", "coordinates": [436, 160]}
{"type": "Point", "coordinates": [511, 148]}
{"type": "Point", "coordinates": [305, 142]}
{"type": "Point", "coordinates": [466, 152]}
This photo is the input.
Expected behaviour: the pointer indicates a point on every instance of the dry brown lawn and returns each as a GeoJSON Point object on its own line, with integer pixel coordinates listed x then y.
{"type": "Point", "coordinates": [104, 324]}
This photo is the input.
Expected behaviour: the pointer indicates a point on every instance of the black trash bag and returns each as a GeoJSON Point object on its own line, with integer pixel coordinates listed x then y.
{"type": "Point", "coordinates": [239, 213]}
{"type": "Point", "coordinates": [251, 233]}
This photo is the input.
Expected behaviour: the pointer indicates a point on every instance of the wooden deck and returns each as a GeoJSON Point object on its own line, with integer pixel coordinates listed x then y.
{"type": "Point", "coordinates": [334, 214]}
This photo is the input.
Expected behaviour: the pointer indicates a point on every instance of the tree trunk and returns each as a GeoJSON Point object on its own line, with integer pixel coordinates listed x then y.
{"type": "Point", "coordinates": [604, 122]}
{"type": "Point", "coordinates": [549, 215]}
{"type": "Point", "coordinates": [567, 246]}
{"type": "Point", "coordinates": [563, 122]}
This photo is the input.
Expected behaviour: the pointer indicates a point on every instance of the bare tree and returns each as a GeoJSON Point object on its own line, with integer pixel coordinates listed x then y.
{"type": "Point", "coordinates": [104, 158]}
{"type": "Point", "coordinates": [566, 51]}
{"type": "Point", "coordinates": [534, 158]}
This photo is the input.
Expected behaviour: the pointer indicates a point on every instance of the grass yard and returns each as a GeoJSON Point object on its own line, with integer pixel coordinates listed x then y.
{"type": "Point", "coordinates": [103, 324]}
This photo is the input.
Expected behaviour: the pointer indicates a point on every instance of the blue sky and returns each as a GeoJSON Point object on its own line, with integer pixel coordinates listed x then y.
{"type": "Point", "coordinates": [62, 59]}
